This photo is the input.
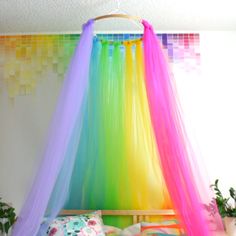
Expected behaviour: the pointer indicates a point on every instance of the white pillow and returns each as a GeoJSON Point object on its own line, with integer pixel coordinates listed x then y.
{"type": "Point", "coordinates": [111, 230]}
{"type": "Point", "coordinates": [131, 230]}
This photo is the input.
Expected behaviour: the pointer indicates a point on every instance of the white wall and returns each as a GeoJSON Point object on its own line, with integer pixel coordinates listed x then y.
{"type": "Point", "coordinates": [23, 130]}
{"type": "Point", "coordinates": [208, 102]}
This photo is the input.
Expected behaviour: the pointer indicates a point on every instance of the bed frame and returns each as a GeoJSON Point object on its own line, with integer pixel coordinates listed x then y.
{"type": "Point", "coordinates": [137, 215]}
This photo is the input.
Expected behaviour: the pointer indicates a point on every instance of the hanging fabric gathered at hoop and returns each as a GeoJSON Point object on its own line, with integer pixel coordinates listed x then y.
{"type": "Point", "coordinates": [117, 140]}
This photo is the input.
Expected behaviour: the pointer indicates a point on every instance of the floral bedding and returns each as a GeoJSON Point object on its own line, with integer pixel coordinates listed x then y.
{"type": "Point", "coordinates": [82, 225]}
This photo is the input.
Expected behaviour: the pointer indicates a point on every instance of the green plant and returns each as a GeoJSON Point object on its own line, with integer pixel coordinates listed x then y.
{"type": "Point", "coordinates": [225, 208]}
{"type": "Point", "coordinates": [7, 217]}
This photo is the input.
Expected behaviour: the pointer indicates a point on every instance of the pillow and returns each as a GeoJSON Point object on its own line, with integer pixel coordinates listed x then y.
{"type": "Point", "coordinates": [170, 227]}
{"type": "Point", "coordinates": [132, 230]}
{"type": "Point", "coordinates": [81, 225]}
{"type": "Point", "coordinates": [111, 230]}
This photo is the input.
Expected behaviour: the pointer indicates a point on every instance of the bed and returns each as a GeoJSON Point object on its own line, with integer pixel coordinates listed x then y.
{"type": "Point", "coordinates": [93, 223]}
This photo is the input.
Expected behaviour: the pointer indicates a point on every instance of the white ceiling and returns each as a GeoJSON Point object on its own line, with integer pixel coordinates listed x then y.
{"type": "Point", "coordinates": [29, 16]}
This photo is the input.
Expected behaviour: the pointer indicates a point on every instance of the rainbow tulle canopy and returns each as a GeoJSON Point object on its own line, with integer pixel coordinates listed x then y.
{"type": "Point", "coordinates": [117, 140]}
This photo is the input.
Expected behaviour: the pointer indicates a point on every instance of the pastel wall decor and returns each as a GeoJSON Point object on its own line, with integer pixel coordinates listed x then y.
{"type": "Point", "coordinates": [26, 59]}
